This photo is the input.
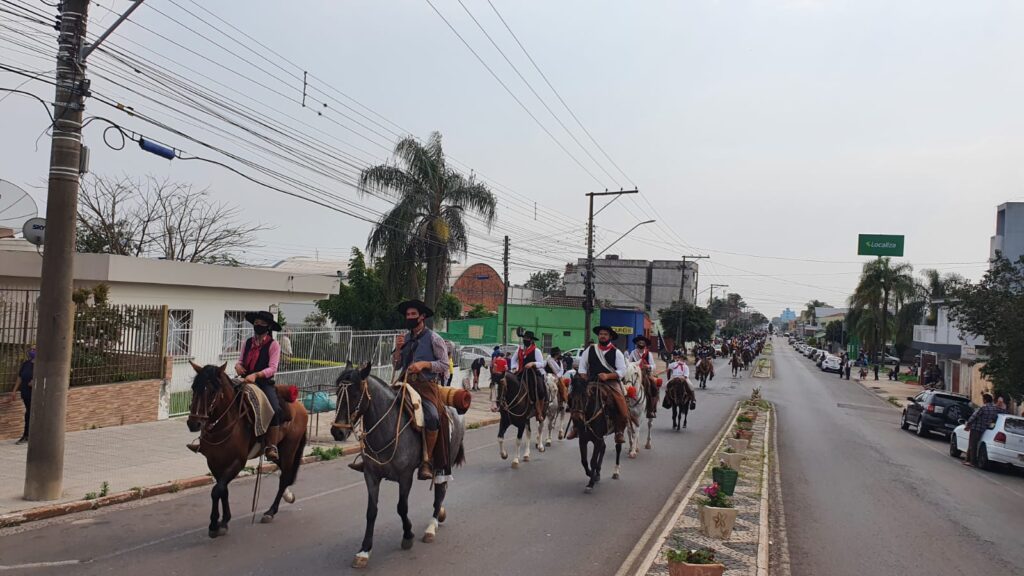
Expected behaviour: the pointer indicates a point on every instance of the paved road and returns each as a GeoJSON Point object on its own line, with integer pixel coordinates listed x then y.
{"type": "Point", "coordinates": [862, 496]}
{"type": "Point", "coordinates": [535, 520]}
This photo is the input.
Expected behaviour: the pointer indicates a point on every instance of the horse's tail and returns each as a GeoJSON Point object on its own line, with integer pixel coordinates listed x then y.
{"type": "Point", "coordinates": [460, 458]}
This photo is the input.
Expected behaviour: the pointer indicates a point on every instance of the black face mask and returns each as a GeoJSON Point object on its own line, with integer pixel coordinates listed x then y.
{"type": "Point", "coordinates": [527, 343]}
{"type": "Point", "coordinates": [260, 330]}
{"type": "Point", "coordinates": [602, 341]}
{"type": "Point", "coordinates": [412, 323]}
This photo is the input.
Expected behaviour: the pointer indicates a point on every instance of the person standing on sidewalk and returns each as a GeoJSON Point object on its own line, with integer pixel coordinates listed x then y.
{"type": "Point", "coordinates": [23, 386]}
{"type": "Point", "coordinates": [477, 365]}
{"type": "Point", "coordinates": [977, 424]}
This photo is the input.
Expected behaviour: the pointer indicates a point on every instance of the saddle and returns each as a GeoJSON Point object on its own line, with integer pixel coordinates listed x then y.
{"type": "Point", "coordinates": [413, 406]}
{"type": "Point", "coordinates": [257, 407]}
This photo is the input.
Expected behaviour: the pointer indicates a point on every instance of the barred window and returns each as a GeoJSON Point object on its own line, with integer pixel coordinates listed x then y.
{"type": "Point", "coordinates": [179, 333]}
{"type": "Point", "coordinates": [236, 330]}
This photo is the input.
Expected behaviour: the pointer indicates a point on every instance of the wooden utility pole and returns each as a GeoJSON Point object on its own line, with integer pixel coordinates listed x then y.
{"type": "Point", "coordinates": [712, 295]}
{"type": "Point", "coordinates": [504, 306]}
{"type": "Point", "coordinates": [588, 274]}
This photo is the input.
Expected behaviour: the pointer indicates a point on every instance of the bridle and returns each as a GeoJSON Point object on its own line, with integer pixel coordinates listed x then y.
{"type": "Point", "coordinates": [354, 417]}
{"type": "Point", "coordinates": [204, 418]}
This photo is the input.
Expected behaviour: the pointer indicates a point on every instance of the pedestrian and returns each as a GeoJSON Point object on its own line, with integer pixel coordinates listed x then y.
{"type": "Point", "coordinates": [849, 364]}
{"type": "Point", "coordinates": [23, 386]}
{"type": "Point", "coordinates": [876, 371]}
{"type": "Point", "coordinates": [842, 364]}
{"type": "Point", "coordinates": [1001, 405]}
{"type": "Point", "coordinates": [978, 423]}
{"type": "Point", "coordinates": [496, 352]}
{"type": "Point", "coordinates": [498, 368]}
{"type": "Point", "coordinates": [476, 366]}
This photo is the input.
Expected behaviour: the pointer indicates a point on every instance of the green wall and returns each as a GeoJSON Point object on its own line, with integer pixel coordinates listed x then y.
{"type": "Point", "coordinates": [564, 325]}
{"type": "Point", "coordinates": [459, 330]}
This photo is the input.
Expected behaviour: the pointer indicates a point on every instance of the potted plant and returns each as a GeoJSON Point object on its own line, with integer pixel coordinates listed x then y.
{"type": "Point", "coordinates": [744, 434]}
{"type": "Point", "coordinates": [717, 516]}
{"type": "Point", "coordinates": [738, 444]}
{"type": "Point", "coordinates": [732, 458]}
{"type": "Point", "coordinates": [751, 414]}
{"type": "Point", "coordinates": [699, 562]}
{"type": "Point", "coordinates": [725, 476]}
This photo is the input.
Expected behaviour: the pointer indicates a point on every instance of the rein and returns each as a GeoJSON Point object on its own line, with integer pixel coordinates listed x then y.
{"type": "Point", "coordinates": [207, 431]}
{"type": "Point", "coordinates": [369, 452]}
{"type": "Point", "coordinates": [519, 397]}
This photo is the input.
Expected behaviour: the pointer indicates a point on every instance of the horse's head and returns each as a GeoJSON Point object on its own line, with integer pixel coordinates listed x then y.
{"type": "Point", "coordinates": [353, 400]}
{"type": "Point", "coordinates": [211, 391]}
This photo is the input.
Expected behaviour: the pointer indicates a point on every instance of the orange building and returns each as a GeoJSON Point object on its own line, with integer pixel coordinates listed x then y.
{"type": "Point", "coordinates": [479, 284]}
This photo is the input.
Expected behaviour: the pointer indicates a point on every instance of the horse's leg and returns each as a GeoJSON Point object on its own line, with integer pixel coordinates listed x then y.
{"type": "Point", "coordinates": [215, 498]}
{"type": "Point", "coordinates": [529, 431]}
{"type": "Point", "coordinates": [618, 458]}
{"type": "Point", "coordinates": [439, 514]}
{"type": "Point", "coordinates": [502, 427]}
{"type": "Point", "coordinates": [634, 439]}
{"type": "Point", "coordinates": [650, 425]}
{"type": "Point", "coordinates": [597, 459]}
{"type": "Point", "coordinates": [559, 418]}
{"type": "Point", "coordinates": [404, 485]}
{"type": "Point", "coordinates": [290, 461]}
{"type": "Point", "coordinates": [372, 491]}
{"type": "Point", "coordinates": [686, 414]}
{"type": "Point", "coordinates": [583, 460]}
{"type": "Point", "coordinates": [540, 434]}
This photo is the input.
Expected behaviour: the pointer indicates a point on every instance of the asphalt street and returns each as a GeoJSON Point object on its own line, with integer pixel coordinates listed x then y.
{"type": "Point", "coordinates": [534, 520]}
{"type": "Point", "coordinates": [862, 496]}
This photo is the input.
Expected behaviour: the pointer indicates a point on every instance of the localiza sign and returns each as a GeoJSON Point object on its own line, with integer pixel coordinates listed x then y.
{"type": "Point", "coordinates": [879, 245]}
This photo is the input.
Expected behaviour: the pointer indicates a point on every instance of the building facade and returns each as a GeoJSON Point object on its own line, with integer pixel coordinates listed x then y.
{"type": "Point", "coordinates": [1009, 236]}
{"type": "Point", "coordinates": [642, 285]}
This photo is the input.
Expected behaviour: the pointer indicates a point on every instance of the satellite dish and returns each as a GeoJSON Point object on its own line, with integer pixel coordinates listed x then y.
{"type": "Point", "coordinates": [16, 206]}
{"type": "Point", "coordinates": [34, 230]}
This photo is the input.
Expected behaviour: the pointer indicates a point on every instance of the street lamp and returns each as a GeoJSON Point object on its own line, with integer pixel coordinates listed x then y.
{"type": "Point", "coordinates": [623, 236]}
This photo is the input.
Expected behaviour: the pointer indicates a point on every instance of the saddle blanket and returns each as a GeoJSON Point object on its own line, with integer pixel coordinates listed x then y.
{"type": "Point", "coordinates": [415, 401]}
{"type": "Point", "coordinates": [256, 403]}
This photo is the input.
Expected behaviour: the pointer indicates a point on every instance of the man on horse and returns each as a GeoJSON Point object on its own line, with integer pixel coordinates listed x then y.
{"type": "Point", "coordinates": [556, 368]}
{"type": "Point", "coordinates": [604, 364]}
{"type": "Point", "coordinates": [529, 357]}
{"type": "Point", "coordinates": [642, 354]}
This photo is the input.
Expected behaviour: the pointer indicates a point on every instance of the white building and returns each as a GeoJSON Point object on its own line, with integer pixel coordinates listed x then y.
{"type": "Point", "coordinates": [1009, 236]}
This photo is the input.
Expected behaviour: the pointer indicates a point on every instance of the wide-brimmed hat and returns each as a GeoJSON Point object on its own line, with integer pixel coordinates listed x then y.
{"type": "Point", "coordinates": [597, 330]}
{"type": "Point", "coordinates": [641, 337]}
{"type": "Point", "coordinates": [252, 317]}
{"type": "Point", "coordinates": [555, 351]}
{"type": "Point", "coordinates": [417, 304]}
{"type": "Point", "coordinates": [529, 335]}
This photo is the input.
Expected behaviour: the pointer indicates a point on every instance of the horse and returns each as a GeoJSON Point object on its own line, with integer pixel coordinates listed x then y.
{"type": "Point", "coordinates": [592, 421]}
{"type": "Point", "coordinates": [679, 396]}
{"type": "Point", "coordinates": [736, 363]}
{"type": "Point", "coordinates": [390, 449]}
{"type": "Point", "coordinates": [554, 413]}
{"type": "Point", "coordinates": [705, 371]}
{"type": "Point", "coordinates": [642, 398]}
{"type": "Point", "coordinates": [515, 409]}
{"type": "Point", "coordinates": [227, 439]}
{"type": "Point", "coordinates": [748, 357]}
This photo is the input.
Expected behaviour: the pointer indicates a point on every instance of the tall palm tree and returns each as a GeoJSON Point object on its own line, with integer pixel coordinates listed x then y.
{"type": "Point", "coordinates": [880, 280]}
{"type": "Point", "coordinates": [427, 225]}
{"type": "Point", "coordinates": [938, 287]}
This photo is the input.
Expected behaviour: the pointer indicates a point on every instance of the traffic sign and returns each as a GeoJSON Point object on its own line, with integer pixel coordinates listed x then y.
{"type": "Point", "coordinates": [880, 245]}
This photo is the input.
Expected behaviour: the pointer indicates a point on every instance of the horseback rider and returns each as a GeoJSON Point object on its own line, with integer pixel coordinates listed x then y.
{"type": "Point", "coordinates": [529, 357]}
{"type": "Point", "coordinates": [605, 364]}
{"type": "Point", "coordinates": [643, 354]}
{"type": "Point", "coordinates": [677, 370]}
{"type": "Point", "coordinates": [556, 368]}
{"type": "Point", "coordinates": [258, 365]}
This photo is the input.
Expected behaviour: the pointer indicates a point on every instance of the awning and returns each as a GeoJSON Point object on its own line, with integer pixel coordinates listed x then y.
{"type": "Point", "coordinates": [950, 350]}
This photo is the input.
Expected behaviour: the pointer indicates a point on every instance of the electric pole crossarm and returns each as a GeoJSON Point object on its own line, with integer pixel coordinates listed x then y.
{"type": "Point", "coordinates": [88, 48]}
{"type": "Point", "coordinates": [588, 274]}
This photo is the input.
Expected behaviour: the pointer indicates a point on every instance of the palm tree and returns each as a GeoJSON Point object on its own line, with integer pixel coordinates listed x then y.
{"type": "Point", "coordinates": [881, 280]}
{"type": "Point", "coordinates": [427, 225]}
{"type": "Point", "coordinates": [938, 287]}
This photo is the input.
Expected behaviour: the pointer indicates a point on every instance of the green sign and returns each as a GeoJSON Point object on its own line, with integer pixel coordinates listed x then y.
{"type": "Point", "coordinates": [879, 245]}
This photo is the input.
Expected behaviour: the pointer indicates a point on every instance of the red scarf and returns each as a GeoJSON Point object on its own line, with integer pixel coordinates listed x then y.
{"type": "Point", "coordinates": [522, 355]}
{"type": "Point", "coordinates": [605, 347]}
{"type": "Point", "coordinates": [254, 351]}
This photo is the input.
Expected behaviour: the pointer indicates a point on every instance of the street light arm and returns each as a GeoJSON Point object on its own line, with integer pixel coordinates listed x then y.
{"type": "Point", "coordinates": [623, 236]}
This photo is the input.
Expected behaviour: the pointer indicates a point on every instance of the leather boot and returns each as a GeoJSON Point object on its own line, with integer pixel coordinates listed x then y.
{"type": "Point", "coordinates": [429, 442]}
{"type": "Point", "coordinates": [572, 433]}
{"type": "Point", "coordinates": [272, 438]}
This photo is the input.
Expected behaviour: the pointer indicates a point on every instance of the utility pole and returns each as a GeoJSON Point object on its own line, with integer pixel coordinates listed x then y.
{"type": "Point", "coordinates": [712, 295]}
{"type": "Point", "coordinates": [588, 274]}
{"type": "Point", "coordinates": [44, 470]}
{"type": "Point", "coordinates": [682, 284]}
{"type": "Point", "coordinates": [504, 306]}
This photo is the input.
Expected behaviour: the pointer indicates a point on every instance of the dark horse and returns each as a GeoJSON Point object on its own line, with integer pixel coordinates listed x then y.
{"type": "Point", "coordinates": [391, 449]}
{"type": "Point", "coordinates": [679, 396]}
{"type": "Point", "coordinates": [516, 409]}
{"type": "Point", "coordinates": [226, 438]}
{"type": "Point", "coordinates": [705, 371]}
{"type": "Point", "coordinates": [593, 422]}
{"type": "Point", "coordinates": [736, 362]}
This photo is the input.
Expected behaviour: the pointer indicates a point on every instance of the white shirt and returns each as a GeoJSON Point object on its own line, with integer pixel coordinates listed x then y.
{"type": "Point", "coordinates": [620, 361]}
{"type": "Point", "coordinates": [556, 366]}
{"type": "Point", "coordinates": [678, 369]}
{"type": "Point", "coordinates": [637, 356]}
{"type": "Point", "coordinates": [538, 358]}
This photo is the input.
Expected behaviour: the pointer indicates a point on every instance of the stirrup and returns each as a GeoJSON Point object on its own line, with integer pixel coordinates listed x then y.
{"type": "Point", "coordinates": [357, 464]}
{"type": "Point", "coordinates": [193, 446]}
{"type": "Point", "coordinates": [425, 472]}
{"type": "Point", "coordinates": [270, 452]}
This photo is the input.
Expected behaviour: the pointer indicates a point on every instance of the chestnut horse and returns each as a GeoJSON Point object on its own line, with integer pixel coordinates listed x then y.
{"type": "Point", "coordinates": [705, 370]}
{"type": "Point", "coordinates": [226, 438]}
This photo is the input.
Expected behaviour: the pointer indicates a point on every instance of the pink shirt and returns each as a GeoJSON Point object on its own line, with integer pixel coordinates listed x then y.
{"type": "Point", "coordinates": [274, 356]}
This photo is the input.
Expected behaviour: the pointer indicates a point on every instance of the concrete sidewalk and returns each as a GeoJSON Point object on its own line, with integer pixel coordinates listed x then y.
{"type": "Point", "coordinates": [144, 455]}
{"type": "Point", "coordinates": [886, 389]}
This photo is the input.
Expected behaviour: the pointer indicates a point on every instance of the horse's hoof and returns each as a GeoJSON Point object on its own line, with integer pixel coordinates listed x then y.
{"type": "Point", "coordinates": [548, 442]}
{"type": "Point", "coordinates": [289, 497]}
{"type": "Point", "coordinates": [266, 519]}
{"type": "Point", "coordinates": [561, 436]}
{"type": "Point", "coordinates": [632, 455]}
{"type": "Point", "coordinates": [360, 562]}
{"type": "Point", "coordinates": [515, 464]}
{"type": "Point", "coordinates": [647, 446]}
{"type": "Point", "coordinates": [527, 457]}
{"type": "Point", "coordinates": [588, 489]}
{"type": "Point", "coordinates": [504, 455]}
{"type": "Point", "coordinates": [442, 515]}
{"type": "Point", "coordinates": [428, 538]}
{"type": "Point", "coordinates": [407, 543]}
{"type": "Point", "coordinates": [615, 476]}
{"type": "Point", "coordinates": [214, 533]}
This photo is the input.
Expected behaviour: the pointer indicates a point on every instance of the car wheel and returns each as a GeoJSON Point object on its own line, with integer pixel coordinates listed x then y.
{"type": "Point", "coordinates": [953, 450]}
{"type": "Point", "coordinates": [983, 462]}
{"type": "Point", "coordinates": [903, 421]}
{"type": "Point", "coordinates": [922, 430]}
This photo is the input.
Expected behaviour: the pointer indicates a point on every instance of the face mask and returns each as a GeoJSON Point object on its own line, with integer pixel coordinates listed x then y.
{"type": "Point", "coordinates": [527, 343]}
{"type": "Point", "coordinates": [31, 354]}
{"type": "Point", "coordinates": [260, 330]}
{"type": "Point", "coordinates": [602, 341]}
{"type": "Point", "coordinates": [641, 345]}
{"type": "Point", "coordinates": [412, 323]}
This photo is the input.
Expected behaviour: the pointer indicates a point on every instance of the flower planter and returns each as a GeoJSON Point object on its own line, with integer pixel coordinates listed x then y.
{"type": "Point", "coordinates": [738, 444]}
{"type": "Point", "coordinates": [734, 460]}
{"type": "Point", "coordinates": [726, 479]}
{"type": "Point", "coordinates": [752, 414]}
{"type": "Point", "coordinates": [745, 425]}
{"type": "Point", "coordinates": [745, 434]}
{"type": "Point", "coordinates": [687, 569]}
{"type": "Point", "coordinates": [717, 522]}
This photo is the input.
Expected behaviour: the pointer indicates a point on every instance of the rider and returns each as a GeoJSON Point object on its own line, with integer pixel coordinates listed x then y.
{"type": "Point", "coordinates": [642, 354]}
{"type": "Point", "coordinates": [529, 357]}
{"type": "Point", "coordinates": [555, 367]}
{"type": "Point", "coordinates": [605, 364]}
{"type": "Point", "coordinates": [258, 364]}
{"type": "Point", "coordinates": [677, 371]}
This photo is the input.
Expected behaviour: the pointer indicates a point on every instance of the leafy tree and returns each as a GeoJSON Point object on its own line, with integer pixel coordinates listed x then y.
{"type": "Point", "coordinates": [448, 306]}
{"type": "Point", "coordinates": [937, 286]}
{"type": "Point", "coordinates": [809, 315]}
{"type": "Point", "coordinates": [994, 308]}
{"type": "Point", "coordinates": [696, 321]}
{"type": "Point", "coordinates": [728, 309]}
{"type": "Point", "coordinates": [547, 282]}
{"type": "Point", "coordinates": [834, 331]}
{"type": "Point", "coordinates": [427, 224]}
{"type": "Point", "coordinates": [361, 302]}
{"type": "Point", "coordinates": [479, 311]}
{"type": "Point", "coordinates": [880, 279]}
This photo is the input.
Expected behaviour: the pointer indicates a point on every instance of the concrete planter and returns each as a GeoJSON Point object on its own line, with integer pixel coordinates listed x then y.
{"type": "Point", "coordinates": [745, 434]}
{"type": "Point", "coordinates": [717, 522]}
{"type": "Point", "coordinates": [687, 569]}
{"type": "Point", "coordinates": [738, 444]}
{"type": "Point", "coordinates": [732, 460]}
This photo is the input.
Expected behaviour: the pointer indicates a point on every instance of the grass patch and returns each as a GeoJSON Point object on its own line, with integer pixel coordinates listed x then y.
{"type": "Point", "coordinates": [104, 490]}
{"type": "Point", "coordinates": [175, 488]}
{"type": "Point", "coordinates": [327, 454]}
{"type": "Point", "coordinates": [472, 426]}
{"type": "Point", "coordinates": [894, 401]}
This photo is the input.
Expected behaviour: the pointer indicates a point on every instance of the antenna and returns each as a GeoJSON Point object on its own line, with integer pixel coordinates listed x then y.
{"type": "Point", "coordinates": [16, 208]}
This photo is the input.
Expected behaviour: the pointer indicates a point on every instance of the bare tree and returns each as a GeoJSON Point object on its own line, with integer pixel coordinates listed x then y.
{"type": "Point", "coordinates": [160, 218]}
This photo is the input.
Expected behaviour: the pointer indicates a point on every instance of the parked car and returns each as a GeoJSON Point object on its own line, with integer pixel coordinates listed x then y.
{"type": "Point", "coordinates": [934, 411]}
{"type": "Point", "coordinates": [1003, 443]}
{"type": "Point", "coordinates": [831, 363]}
{"type": "Point", "coordinates": [467, 354]}
{"type": "Point", "coordinates": [575, 355]}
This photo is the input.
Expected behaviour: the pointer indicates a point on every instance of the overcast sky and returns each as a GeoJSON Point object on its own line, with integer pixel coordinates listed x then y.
{"type": "Point", "coordinates": [766, 134]}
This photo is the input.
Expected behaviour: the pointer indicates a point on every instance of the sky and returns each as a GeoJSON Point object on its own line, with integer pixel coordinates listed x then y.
{"type": "Point", "coordinates": [765, 134]}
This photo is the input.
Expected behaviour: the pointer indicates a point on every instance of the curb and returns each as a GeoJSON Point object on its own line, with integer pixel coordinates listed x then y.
{"type": "Point", "coordinates": [65, 508]}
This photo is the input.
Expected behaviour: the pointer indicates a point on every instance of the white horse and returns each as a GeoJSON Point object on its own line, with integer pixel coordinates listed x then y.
{"type": "Point", "coordinates": [638, 404]}
{"type": "Point", "coordinates": [554, 414]}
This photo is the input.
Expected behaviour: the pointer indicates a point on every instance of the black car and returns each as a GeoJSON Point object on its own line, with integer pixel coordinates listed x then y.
{"type": "Point", "coordinates": [936, 411]}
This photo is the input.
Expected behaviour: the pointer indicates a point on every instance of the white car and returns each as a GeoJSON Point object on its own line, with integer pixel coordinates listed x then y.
{"type": "Point", "coordinates": [831, 363]}
{"type": "Point", "coordinates": [1003, 443]}
{"type": "Point", "coordinates": [575, 355]}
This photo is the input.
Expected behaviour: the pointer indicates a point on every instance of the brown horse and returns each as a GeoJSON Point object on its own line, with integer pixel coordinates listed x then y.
{"type": "Point", "coordinates": [680, 397]}
{"type": "Point", "coordinates": [736, 363]}
{"type": "Point", "coordinates": [226, 438]}
{"type": "Point", "coordinates": [705, 370]}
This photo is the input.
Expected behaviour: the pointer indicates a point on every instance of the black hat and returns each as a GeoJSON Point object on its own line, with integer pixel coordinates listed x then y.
{"type": "Point", "coordinates": [529, 335]}
{"type": "Point", "coordinates": [252, 317]}
{"type": "Point", "coordinates": [641, 337]}
{"type": "Point", "coordinates": [597, 329]}
{"type": "Point", "coordinates": [555, 351]}
{"type": "Point", "coordinates": [417, 304]}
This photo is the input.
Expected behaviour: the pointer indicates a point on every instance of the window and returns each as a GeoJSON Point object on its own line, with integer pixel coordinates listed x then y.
{"type": "Point", "coordinates": [236, 330]}
{"type": "Point", "coordinates": [1014, 426]}
{"type": "Point", "coordinates": [476, 332]}
{"type": "Point", "coordinates": [545, 341]}
{"type": "Point", "coordinates": [179, 333]}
